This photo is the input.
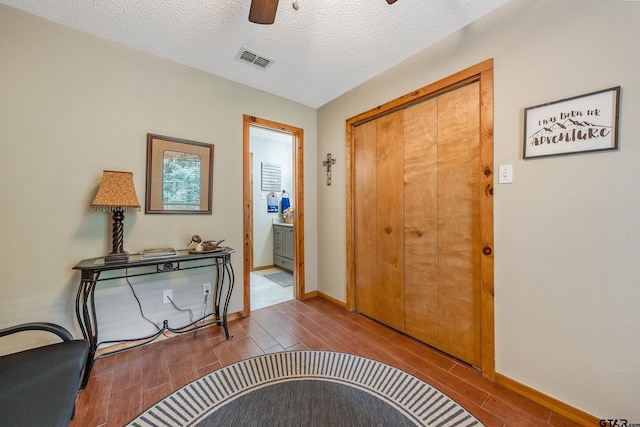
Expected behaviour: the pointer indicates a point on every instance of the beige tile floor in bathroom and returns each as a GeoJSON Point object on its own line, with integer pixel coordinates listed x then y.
{"type": "Point", "coordinates": [264, 292]}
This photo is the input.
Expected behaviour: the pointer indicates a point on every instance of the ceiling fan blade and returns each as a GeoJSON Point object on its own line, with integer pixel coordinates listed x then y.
{"type": "Point", "coordinates": [263, 11]}
{"type": "Point", "coordinates": [391, 1]}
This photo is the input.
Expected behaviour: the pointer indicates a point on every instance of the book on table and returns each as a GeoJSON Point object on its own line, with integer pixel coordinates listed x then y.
{"type": "Point", "coordinates": [158, 253]}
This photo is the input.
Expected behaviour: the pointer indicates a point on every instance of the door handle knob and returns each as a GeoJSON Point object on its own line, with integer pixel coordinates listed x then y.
{"type": "Point", "coordinates": [419, 233]}
{"type": "Point", "coordinates": [388, 230]}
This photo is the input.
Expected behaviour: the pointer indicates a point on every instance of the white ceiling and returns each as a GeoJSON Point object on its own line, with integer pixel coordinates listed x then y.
{"type": "Point", "coordinates": [319, 52]}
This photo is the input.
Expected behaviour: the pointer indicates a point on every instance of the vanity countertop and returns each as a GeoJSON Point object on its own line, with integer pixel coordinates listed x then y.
{"type": "Point", "coordinates": [284, 224]}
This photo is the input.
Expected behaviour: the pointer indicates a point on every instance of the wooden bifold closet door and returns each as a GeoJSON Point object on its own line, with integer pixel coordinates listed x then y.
{"type": "Point", "coordinates": [416, 213]}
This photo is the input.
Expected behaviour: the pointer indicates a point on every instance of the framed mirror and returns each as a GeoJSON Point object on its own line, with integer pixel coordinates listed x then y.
{"type": "Point", "coordinates": [179, 176]}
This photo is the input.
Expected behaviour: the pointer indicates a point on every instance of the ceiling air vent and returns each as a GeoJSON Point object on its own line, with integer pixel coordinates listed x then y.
{"type": "Point", "coordinates": [254, 59]}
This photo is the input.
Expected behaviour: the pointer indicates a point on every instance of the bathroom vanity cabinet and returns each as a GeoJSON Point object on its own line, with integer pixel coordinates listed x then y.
{"type": "Point", "coordinates": [283, 246]}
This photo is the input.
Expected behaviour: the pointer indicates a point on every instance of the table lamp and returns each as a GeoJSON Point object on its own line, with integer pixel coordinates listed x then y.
{"type": "Point", "coordinates": [116, 194]}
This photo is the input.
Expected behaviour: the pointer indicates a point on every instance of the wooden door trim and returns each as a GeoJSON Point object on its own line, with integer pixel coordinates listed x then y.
{"type": "Point", "coordinates": [298, 176]}
{"type": "Point", "coordinates": [483, 73]}
{"type": "Point", "coordinates": [250, 211]}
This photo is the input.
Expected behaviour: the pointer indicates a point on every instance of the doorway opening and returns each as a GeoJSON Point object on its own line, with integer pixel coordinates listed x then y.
{"type": "Point", "coordinates": [273, 239]}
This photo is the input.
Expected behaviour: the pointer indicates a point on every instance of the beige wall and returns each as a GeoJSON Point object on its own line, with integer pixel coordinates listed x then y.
{"type": "Point", "coordinates": [72, 105]}
{"type": "Point", "coordinates": [566, 231]}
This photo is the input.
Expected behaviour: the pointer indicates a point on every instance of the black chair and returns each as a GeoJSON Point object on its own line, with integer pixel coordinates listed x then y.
{"type": "Point", "coordinates": [38, 387]}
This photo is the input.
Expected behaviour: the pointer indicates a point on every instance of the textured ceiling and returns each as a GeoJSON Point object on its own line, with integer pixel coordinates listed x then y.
{"type": "Point", "coordinates": [319, 52]}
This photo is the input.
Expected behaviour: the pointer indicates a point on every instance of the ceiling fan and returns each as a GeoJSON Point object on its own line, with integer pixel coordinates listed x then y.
{"type": "Point", "coordinates": [264, 11]}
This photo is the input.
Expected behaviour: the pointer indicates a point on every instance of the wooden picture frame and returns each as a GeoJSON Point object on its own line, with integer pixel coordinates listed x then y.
{"type": "Point", "coordinates": [179, 176]}
{"type": "Point", "coordinates": [574, 125]}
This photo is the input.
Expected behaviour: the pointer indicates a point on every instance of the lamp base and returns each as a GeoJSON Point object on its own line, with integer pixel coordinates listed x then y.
{"type": "Point", "coordinates": [118, 254]}
{"type": "Point", "coordinates": [117, 257]}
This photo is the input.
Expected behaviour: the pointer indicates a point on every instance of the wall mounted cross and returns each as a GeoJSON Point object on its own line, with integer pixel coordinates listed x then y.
{"type": "Point", "coordinates": [328, 163]}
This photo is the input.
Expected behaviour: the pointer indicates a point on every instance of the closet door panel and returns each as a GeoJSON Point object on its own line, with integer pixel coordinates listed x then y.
{"type": "Point", "coordinates": [459, 223]}
{"type": "Point", "coordinates": [389, 212]}
{"type": "Point", "coordinates": [365, 260]}
{"type": "Point", "coordinates": [421, 221]}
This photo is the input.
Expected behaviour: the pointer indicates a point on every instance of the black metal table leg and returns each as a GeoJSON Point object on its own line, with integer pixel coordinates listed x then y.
{"type": "Point", "coordinates": [86, 319]}
{"type": "Point", "coordinates": [222, 272]}
{"type": "Point", "coordinates": [228, 268]}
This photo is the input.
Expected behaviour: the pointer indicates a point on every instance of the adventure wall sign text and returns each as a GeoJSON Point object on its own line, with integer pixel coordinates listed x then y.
{"type": "Point", "coordinates": [582, 123]}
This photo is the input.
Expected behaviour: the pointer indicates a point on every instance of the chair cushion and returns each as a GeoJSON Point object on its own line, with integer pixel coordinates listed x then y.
{"type": "Point", "coordinates": [38, 387]}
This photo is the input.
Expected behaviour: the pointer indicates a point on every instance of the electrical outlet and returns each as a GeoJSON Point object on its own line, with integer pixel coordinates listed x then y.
{"type": "Point", "coordinates": [206, 289]}
{"type": "Point", "coordinates": [166, 294]}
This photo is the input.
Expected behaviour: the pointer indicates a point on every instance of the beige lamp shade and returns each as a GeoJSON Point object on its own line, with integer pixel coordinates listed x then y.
{"type": "Point", "coordinates": [116, 191]}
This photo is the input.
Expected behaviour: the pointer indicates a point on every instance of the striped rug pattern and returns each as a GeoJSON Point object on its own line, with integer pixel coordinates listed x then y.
{"type": "Point", "coordinates": [418, 401]}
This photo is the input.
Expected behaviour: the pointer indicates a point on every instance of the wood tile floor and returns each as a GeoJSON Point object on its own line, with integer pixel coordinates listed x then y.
{"type": "Point", "coordinates": [123, 385]}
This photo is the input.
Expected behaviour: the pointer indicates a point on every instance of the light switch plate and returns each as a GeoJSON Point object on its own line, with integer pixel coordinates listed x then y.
{"type": "Point", "coordinates": [505, 174]}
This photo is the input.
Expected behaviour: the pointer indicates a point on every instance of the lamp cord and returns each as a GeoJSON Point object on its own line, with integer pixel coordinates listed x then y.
{"type": "Point", "coordinates": [140, 305]}
{"type": "Point", "coordinates": [183, 310]}
{"type": "Point", "coordinates": [204, 309]}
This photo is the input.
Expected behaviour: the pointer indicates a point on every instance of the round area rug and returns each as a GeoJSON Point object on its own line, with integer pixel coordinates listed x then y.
{"type": "Point", "coordinates": [307, 388]}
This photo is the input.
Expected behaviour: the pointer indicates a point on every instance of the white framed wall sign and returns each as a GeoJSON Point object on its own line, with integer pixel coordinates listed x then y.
{"type": "Point", "coordinates": [574, 125]}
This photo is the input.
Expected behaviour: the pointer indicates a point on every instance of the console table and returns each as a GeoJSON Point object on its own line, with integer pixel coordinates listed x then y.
{"type": "Point", "coordinates": [92, 268]}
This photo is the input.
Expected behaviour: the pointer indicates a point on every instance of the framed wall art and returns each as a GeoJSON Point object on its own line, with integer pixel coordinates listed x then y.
{"type": "Point", "coordinates": [574, 125]}
{"type": "Point", "coordinates": [179, 176]}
